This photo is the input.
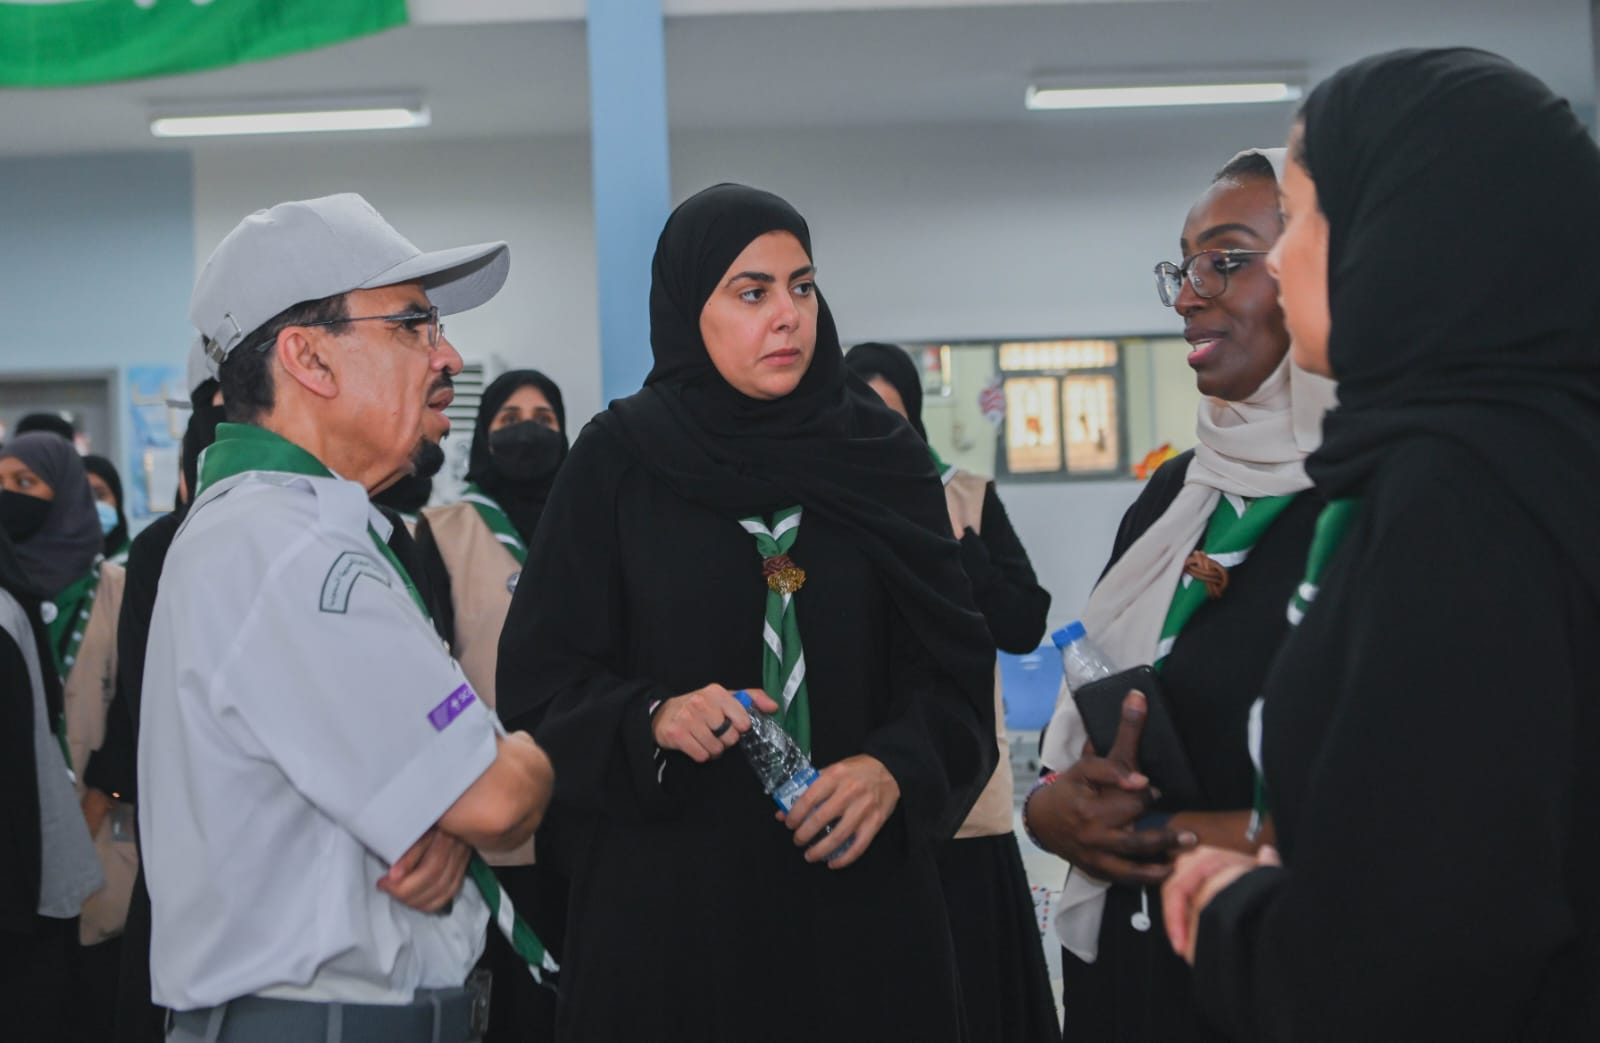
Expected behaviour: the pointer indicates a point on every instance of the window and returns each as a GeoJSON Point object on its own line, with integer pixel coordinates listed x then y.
{"type": "Point", "coordinates": [1057, 410]}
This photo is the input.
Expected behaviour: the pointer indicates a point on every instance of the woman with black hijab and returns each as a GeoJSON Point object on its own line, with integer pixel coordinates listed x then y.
{"type": "Point", "coordinates": [50, 514]}
{"type": "Point", "coordinates": [1429, 728]}
{"type": "Point", "coordinates": [1005, 985]}
{"type": "Point", "coordinates": [473, 551]}
{"type": "Point", "coordinates": [750, 488]}
{"type": "Point", "coordinates": [106, 485]}
{"type": "Point", "coordinates": [472, 556]}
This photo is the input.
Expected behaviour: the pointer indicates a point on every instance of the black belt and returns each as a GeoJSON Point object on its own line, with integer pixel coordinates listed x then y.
{"type": "Point", "coordinates": [436, 1016]}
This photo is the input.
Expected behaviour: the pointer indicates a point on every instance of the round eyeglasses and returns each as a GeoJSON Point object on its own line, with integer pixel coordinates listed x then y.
{"type": "Point", "coordinates": [1207, 273]}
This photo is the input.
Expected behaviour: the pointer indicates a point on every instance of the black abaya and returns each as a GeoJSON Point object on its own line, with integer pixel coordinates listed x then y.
{"type": "Point", "coordinates": [688, 898]}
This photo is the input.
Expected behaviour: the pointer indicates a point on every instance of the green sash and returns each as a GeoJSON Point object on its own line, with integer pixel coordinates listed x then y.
{"type": "Point", "coordinates": [499, 523]}
{"type": "Point", "coordinates": [244, 447]}
{"type": "Point", "coordinates": [65, 631]}
{"type": "Point", "coordinates": [1332, 524]}
{"type": "Point", "coordinates": [783, 660]}
{"type": "Point", "coordinates": [1235, 527]}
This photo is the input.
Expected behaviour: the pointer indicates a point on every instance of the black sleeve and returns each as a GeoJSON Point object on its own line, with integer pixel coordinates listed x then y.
{"type": "Point", "coordinates": [435, 579]}
{"type": "Point", "coordinates": [113, 768]}
{"type": "Point", "coordinates": [1159, 491]}
{"type": "Point", "coordinates": [1425, 715]}
{"type": "Point", "coordinates": [939, 750]}
{"type": "Point", "coordinates": [1003, 581]}
{"type": "Point", "coordinates": [142, 579]}
{"type": "Point", "coordinates": [19, 793]}
{"type": "Point", "coordinates": [559, 673]}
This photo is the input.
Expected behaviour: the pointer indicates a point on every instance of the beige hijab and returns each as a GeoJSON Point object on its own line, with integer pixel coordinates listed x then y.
{"type": "Point", "coordinates": [1256, 447]}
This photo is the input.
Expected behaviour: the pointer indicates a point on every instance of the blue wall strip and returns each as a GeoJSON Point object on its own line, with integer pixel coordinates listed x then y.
{"type": "Point", "coordinates": [632, 187]}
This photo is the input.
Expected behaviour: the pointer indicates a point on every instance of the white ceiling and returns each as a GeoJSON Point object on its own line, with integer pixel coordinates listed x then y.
{"type": "Point", "coordinates": [950, 64]}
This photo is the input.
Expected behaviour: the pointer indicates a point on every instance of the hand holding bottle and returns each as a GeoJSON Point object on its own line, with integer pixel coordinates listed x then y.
{"type": "Point", "coordinates": [855, 797]}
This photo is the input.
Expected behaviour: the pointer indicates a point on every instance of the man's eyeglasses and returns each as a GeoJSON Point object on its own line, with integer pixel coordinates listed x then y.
{"type": "Point", "coordinates": [1206, 271]}
{"type": "Point", "coordinates": [411, 320]}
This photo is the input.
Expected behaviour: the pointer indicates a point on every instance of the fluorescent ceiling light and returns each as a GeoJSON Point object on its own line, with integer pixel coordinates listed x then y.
{"type": "Point", "coordinates": [290, 121]}
{"type": "Point", "coordinates": [1055, 98]}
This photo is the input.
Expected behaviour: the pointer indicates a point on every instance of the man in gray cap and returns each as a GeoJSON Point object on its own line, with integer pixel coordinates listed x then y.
{"type": "Point", "coordinates": [313, 766]}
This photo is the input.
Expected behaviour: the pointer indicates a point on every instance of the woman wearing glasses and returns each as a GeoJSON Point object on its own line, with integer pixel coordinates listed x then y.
{"type": "Point", "coordinates": [1200, 572]}
{"type": "Point", "coordinates": [1430, 727]}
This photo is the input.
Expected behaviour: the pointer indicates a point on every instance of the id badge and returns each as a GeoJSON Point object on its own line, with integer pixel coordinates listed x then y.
{"type": "Point", "coordinates": [479, 983]}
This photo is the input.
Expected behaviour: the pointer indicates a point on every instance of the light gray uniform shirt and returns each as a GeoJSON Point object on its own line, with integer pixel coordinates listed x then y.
{"type": "Point", "coordinates": [302, 726]}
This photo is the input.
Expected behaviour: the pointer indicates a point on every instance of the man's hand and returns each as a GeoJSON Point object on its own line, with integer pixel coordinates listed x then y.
{"type": "Point", "coordinates": [1086, 816]}
{"type": "Point", "coordinates": [856, 796]}
{"type": "Point", "coordinates": [429, 875]}
{"type": "Point", "coordinates": [705, 722]}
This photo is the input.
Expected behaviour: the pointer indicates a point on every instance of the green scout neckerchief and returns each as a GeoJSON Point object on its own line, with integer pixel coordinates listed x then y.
{"type": "Point", "coordinates": [1235, 527]}
{"type": "Point", "coordinates": [945, 471]}
{"type": "Point", "coordinates": [783, 660]}
{"type": "Point", "coordinates": [499, 523]}
{"type": "Point", "coordinates": [245, 447]}
{"type": "Point", "coordinates": [69, 619]}
{"type": "Point", "coordinates": [1332, 524]}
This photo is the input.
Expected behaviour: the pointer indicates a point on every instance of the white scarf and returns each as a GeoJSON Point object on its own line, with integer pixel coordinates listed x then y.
{"type": "Point", "coordinates": [1252, 448]}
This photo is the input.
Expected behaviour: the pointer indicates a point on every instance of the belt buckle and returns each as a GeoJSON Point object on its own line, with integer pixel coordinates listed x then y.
{"type": "Point", "coordinates": [479, 985]}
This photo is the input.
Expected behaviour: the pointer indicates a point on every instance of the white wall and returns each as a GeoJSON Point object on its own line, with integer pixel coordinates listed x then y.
{"type": "Point", "coordinates": [921, 233]}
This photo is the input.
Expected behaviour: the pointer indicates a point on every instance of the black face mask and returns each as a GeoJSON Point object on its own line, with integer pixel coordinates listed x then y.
{"type": "Point", "coordinates": [22, 515]}
{"type": "Point", "coordinates": [527, 451]}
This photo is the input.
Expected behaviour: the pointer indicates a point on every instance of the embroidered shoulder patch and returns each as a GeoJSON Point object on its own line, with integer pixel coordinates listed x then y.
{"type": "Point", "coordinates": [454, 703]}
{"type": "Point", "coordinates": [348, 567]}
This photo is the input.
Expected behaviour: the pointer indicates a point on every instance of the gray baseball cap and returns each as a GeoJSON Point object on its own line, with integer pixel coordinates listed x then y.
{"type": "Point", "coordinates": [314, 248]}
{"type": "Point", "coordinates": [197, 367]}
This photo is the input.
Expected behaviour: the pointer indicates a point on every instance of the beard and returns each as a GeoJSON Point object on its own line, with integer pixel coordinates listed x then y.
{"type": "Point", "coordinates": [426, 459]}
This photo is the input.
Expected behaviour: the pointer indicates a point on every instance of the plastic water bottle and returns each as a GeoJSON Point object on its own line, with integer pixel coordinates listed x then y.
{"type": "Point", "coordinates": [1081, 658]}
{"type": "Point", "coordinates": [782, 767]}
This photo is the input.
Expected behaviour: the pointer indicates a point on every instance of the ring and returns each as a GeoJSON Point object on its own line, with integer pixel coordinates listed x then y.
{"type": "Point", "coordinates": [717, 732]}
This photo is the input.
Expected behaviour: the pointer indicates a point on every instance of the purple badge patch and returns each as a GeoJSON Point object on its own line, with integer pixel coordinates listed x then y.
{"type": "Point", "coordinates": [451, 708]}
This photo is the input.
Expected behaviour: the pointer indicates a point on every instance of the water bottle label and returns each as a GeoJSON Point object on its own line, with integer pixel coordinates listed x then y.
{"type": "Point", "coordinates": [789, 790]}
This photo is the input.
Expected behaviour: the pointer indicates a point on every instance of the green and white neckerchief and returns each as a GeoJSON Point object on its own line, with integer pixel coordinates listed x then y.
{"type": "Point", "coordinates": [946, 471]}
{"type": "Point", "coordinates": [783, 660]}
{"type": "Point", "coordinates": [499, 523]}
{"type": "Point", "coordinates": [1325, 539]}
{"type": "Point", "coordinates": [1332, 524]}
{"type": "Point", "coordinates": [69, 620]}
{"type": "Point", "coordinates": [1236, 525]}
{"type": "Point", "coordinates": [244, 447]}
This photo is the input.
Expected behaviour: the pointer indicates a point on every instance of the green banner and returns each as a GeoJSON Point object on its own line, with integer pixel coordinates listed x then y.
{"type": "Point", "coordinates": [65, 43]}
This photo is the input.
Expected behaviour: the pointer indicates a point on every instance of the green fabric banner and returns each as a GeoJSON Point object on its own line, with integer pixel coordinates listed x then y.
{"type": "Point", "coordinates": [65, 43]}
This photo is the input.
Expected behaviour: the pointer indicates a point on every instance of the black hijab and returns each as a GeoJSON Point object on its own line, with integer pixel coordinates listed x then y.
{"type": "Point", "coordinates": [68, 541]}
{"type": "Point", "coordinates": [54, 423]}
{"type": "Point", "coordinates": [1463, 203]}
{"type": "Point", "coordinates": [891, 362]}
{"type": "Point", "coordinates": [117, 538]}
{"type": "Point", "coordinates": [522, 499]}
{"type": "Point", "coordinates": [201, 431]}
{"type": "Point", "coordinates": [831, 445]}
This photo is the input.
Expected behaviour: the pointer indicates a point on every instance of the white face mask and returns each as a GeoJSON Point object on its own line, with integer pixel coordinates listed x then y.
{"type": "Point", "coordinates": [108, 517]}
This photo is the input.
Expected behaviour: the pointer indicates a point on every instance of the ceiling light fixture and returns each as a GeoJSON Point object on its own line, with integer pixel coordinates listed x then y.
{"type": "Point", "coordinates": [1162, 90]}
{"type": "Point", "coordinates": [289, 116]}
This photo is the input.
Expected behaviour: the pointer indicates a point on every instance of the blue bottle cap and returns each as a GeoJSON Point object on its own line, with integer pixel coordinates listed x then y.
{"type": "Point", "coordinates": [744, 699]}
{"type": "Point", "coordinates": [1073, 631]}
